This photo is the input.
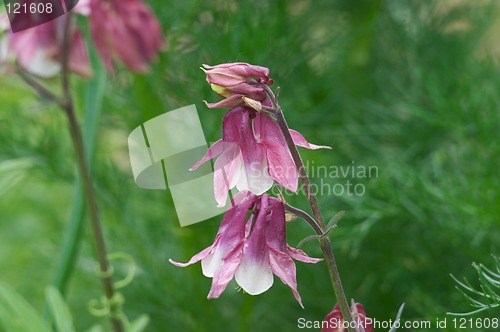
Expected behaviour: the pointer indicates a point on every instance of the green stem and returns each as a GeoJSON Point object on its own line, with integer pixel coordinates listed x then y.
{"type": "Point", "coordinates": [95, 221]}
{"type": "Point", "coordinates": [326, 246]}
{"type": "Point", "coordinates": [73, 233]}
{"type": "Point", "coordinates": [83, 167]}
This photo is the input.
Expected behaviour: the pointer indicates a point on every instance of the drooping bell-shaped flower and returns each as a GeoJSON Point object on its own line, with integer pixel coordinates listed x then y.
{"type": "Point", "coordinates": [38, 50]}
{"type": "Point", "coordinates": [235, 80]}
{"type": "Point", "coordinates": [334, 322]}
{"type": "Point", "coordinates": [251, 251]}
{"type": "Point", "coordinates": [125, 30]}
{"type": "Point", "coordinates": [253, 153]}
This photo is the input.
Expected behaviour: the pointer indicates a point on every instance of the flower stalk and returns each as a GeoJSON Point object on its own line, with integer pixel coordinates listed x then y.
{"type": "Point", "coordinates": [325, 243]}
{"type": "Point", "coordinates": [78, 145]}
{"type": "Point", "coordinates": [66, 104]}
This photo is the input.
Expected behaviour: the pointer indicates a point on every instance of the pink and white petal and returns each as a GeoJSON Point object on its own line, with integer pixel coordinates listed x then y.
{"type": "Point", "coordinates": [216, 149]}
{"type": "Point", "coordinates": [247, 71]}
{"type": "Point", "coordinates": [254, 162]}
{"type": "Point", "coordinates": [299, 140]}
{"type": "Point", "coordinates": [235, 168]}
{"type": "Point", "coordinates": [284, 267]}
{"type": "Point", "coordinates": [299, 255]}
{"type": "Point", "coordinates": [281, 165]}
{"type": "Point", "coordinates": [236, 215]}
{"type": "Point", "coordinates": [255, 178]}
{"type": "Point", "coordinates": [282, 168]}
{"type": "Point", "coordinates": [224, 275]}
{"type": "Point", "coordinates": [231, 124]}
{"type": "Point", "coordinates": [240, 196]}
{"type": "Point", "coordinates": [255, 277]}
{"type": "Point", "coordinates": [223, 65]}
{"type": "Point", "coordinates": [229, 102]}
{"type": "Point", "coordinates": [245, 89]}
{"type": "Point", "coordinates": [196, 258]}
{"type": "Point", "coordinates": [232, 229]}
{"type": "Point", "coordinates": [226, 174]}
{"type": "Point", "coordinates": [276, 229]}
{"type": "Point", "coordinates": [254, 274]}
{"type": "Point", "coordinates": [223, 77]}
{"type": "Point", "coordinates": [212, 262]}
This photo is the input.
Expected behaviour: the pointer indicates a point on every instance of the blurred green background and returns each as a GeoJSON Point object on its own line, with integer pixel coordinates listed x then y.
{"type": "Point", "coordinates": [411, 87]}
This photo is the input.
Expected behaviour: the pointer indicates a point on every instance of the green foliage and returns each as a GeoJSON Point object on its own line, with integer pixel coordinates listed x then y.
{"type": "Point", "coordinates": [488, 295]}
{"type": "Point", "coordinates": [16, 314]}
{"type": "Point", "coordinates": [410, 87]}
{"type": "Point", "coordinates": [59, 310]}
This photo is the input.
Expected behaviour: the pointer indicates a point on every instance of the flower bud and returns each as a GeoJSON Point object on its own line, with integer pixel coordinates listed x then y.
{"type": "Point", "coordinates": [235, 80]}
{"type": "Point", "coordinates": [334, 322]}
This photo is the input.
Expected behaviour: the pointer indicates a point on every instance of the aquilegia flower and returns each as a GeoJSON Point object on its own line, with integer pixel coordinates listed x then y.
{"type": "Point", "coordinates": [38, 49]}
{"type": "Point", "coordinates": [251, 251]}
{"type": "Point", "coordinates": [235, 80]}
{"type": "Point", "coordinates": [126, 30]}
{"type": "Point", "coordinates": [253, 153]}
{"type": "Point", "coordinates": [334, 322]}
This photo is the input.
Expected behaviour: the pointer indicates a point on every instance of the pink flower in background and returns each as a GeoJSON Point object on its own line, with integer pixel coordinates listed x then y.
{"type": "Point", "coordinates": [125, 30]}
{"type": "Point", "coordinates": [253, 153]}
{"type": "Point", "coordinates": [251, 251]}
{"type": "Point", "coordinates": [334, 322]}
{"type": "Point", "coordinates": [38, 50]}
{"type": "Point", "coordinates": [232, 81]}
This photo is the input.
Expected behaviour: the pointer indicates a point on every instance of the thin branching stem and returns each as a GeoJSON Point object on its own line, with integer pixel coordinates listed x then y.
{"type": "Point", "coordinates": [325, 243]}
{"type": "Point", "coordinates": [78, 145]}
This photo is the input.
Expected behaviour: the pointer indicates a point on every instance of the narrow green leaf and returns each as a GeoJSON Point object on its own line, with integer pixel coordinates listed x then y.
{"type": "Point", "coordinates": [16, 314]}
{"type": "Point", "coordinates": [307, 239]}
{"type": "Point", "coordinates": [335, 219]}
{"type": "Point", "coordinates": [139, 324]}
{"type": "Point", "coordinates": [59, 310]}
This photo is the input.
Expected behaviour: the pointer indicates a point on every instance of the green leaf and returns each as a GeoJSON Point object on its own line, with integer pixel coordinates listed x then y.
{"type": "Point", "coordinates": [59, 310]}
{"type": "Point", "coordinates": [139, 324]}
{"type": "Point", "coordinates": [12, 172]}
{"type": "Point", "coordinates": [96, 328]}
{"type": "Point", "coordinates": [335, 219]}
{"type": "Point", "coordinates": [16, 314]}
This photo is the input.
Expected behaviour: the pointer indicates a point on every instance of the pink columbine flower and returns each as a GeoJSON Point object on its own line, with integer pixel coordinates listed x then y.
{"type": "Point", "coordinates": [251, 251]}
{"type": "Point", "coordinates": [235, 80]}
{"type": "Point", "coordinates": [334, 322]}
{"type": "Point", "coordinates": [253, 153]}
{"type": "Point", "coordinates": [38, 49]}
{"type": "Point", "coordinates": [126, 30]}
